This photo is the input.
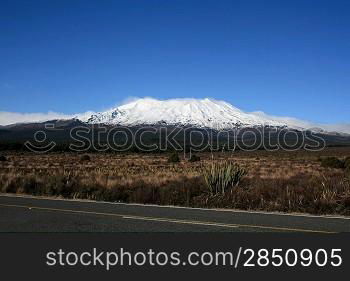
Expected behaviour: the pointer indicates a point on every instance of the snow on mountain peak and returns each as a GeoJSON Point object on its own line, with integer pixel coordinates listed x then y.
{"type": "Point", "coordinates": [187, 112]}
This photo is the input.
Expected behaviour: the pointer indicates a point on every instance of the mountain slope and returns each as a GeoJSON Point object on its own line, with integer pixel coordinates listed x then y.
{"type": "Point", "coordinates": [189, 112]}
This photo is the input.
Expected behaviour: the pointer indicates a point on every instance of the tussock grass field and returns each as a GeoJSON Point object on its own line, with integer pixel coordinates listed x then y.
{"type": "Point", "coordinates": [283, 181]}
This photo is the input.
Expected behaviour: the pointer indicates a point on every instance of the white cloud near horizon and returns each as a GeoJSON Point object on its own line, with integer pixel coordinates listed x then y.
{"type": "Point", "coordinates": [341, 127]}
{"type": "Point", "coordinates": [9, 118]}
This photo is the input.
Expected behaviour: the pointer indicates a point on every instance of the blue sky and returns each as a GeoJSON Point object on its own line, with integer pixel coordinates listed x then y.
{"type": "Point", "coordinates": [286, 58]}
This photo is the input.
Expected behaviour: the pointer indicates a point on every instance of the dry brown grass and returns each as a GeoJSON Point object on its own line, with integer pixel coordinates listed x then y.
{"type": "Point", "coordinates": [278, 181]}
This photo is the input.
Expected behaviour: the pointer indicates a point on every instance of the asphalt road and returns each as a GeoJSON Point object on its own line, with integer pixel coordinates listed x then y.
{"type": "Point", "coordinates": [31, 214]}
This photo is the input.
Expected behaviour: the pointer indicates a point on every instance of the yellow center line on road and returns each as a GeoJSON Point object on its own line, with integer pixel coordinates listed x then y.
{"type": "Point", "coordinates": [123, 216]}
{"type": "Point", "coordinates": [181, 221]}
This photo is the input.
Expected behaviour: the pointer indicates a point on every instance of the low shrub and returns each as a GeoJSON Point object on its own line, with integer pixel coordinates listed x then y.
{"type": "Point", "coordinates": [85, 157]}
{"type": "Point", "coordinates": [347, 172]}
{"type": "Point", "coordinates": [222, 176]}
{"type": "Point", "coordinates": [194, 158]}
{"type": "Point", "coordinates": [347, 162]}
{"type": "Point", "coordinates": [332, 162]}
{"type": "Point", "coordinates": [174, 158]}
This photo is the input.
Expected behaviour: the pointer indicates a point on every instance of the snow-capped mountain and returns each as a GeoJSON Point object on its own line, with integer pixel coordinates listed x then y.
{"type": "Point", "coordinates": [207, 113]}
{"type": "Point", "coordinates": [198, 113]}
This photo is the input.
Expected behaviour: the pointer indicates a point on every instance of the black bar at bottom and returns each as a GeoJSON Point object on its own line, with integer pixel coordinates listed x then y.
{"type": "Point", "coordinates": [252, 255]}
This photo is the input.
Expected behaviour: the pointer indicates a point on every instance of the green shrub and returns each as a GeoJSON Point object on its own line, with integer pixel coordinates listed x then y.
{"type": "Point", "coordinates": [194, 158]}
{"type": "Point", "coordinates": [3, 158]}
{"type": "Point", "coordinates": [85, 157]}
{"type": "Point", "coordinates": [332, 162]}
{"type": "Point", "coordinates": [174, 158]}
{"type": "Point", "coordinates": [222, 176]}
